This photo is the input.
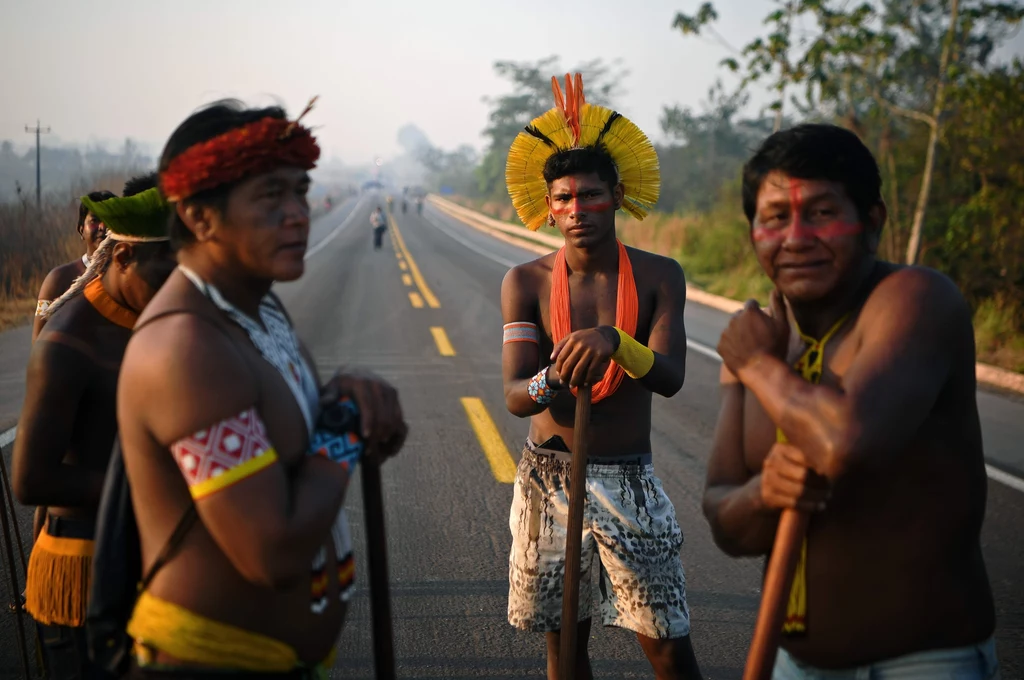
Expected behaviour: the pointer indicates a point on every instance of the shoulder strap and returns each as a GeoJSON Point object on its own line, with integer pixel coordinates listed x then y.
{"type": "Point", "coordinates": [191, 515]}
{"type": "Point", "coordinates": [172, 545]}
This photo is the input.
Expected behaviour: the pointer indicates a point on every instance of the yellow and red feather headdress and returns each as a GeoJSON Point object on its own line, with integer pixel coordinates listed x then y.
{"type": "Point", "coordinates": [575, 124]}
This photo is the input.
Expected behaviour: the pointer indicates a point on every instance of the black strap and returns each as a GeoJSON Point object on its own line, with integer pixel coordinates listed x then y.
{"type": "Point", "coordinates": [191, 515]}
{"type": "Point", "coordinates": [172, 545]}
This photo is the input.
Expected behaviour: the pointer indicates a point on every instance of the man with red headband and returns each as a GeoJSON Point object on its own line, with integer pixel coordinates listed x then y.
{"type": "Point", "coordinates": [260, 583]}
{"type": "Point", "coordinates": [600, 314]}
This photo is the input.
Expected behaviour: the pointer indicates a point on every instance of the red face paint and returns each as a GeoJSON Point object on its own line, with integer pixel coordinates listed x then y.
{"type": "Point", "coordinates": [798, 228]}
{"type": "Point", "coordinates": [585, 204]}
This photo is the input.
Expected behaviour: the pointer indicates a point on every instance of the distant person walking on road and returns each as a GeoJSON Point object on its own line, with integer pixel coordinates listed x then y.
{"type": "Point", "coordinates": [628, 343]}
{"type": "Point", "coordinates": [223, 453]}
{"type": "Point", "coordinates": [853, 399]}
{"type": "Point", "coordinates": [68, 424]}
{"type": "Point", "coordinates": [379, 223]}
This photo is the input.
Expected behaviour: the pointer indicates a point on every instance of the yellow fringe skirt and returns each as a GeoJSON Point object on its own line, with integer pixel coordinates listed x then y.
{"type": "Point", "coordinates": [57, 580]}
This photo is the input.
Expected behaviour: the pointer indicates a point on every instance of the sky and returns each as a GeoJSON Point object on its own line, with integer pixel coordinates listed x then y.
{"type": "Point", "coordinates": [104, 70]}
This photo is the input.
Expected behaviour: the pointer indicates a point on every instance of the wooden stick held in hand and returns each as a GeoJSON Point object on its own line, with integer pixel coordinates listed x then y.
{"type": "Point", "coordinates": [577, 492]}
{"type": "Point", "coordinates": [775, 596]}
{"type": "Point", "coordinates": [377, 559]}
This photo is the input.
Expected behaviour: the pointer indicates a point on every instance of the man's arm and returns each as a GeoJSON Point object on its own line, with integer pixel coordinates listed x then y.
{"type": "Point", "coordinates": [269, 521]}
{"type": "Point", "coordinates": [520, 361]}
{"type": "Point", "coordinates": [916, 326]}
{"type": "Point", "coordinates": [740, 523]}
{"type": "Point", "coordinates": [59, 369]}
{"type": "Point", "coordinates": [668, 335]}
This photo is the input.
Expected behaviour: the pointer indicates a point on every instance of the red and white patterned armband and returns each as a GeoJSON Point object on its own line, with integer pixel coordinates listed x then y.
{"type": "Point", "coordinates": [225, 453]}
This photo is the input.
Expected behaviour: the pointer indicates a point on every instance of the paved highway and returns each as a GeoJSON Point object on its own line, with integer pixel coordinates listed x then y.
{"type": "Point", "coordinates": [424, 312]}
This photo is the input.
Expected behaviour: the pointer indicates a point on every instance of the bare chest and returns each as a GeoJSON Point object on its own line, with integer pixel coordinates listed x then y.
{"type": "Point", "coordinates": [593, 302]}
{"type": "Point", "coordinates": [759, 432]}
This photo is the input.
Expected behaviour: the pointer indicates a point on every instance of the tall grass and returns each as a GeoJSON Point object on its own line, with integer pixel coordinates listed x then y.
{"type": "Point", "coordinates": [34, 241]}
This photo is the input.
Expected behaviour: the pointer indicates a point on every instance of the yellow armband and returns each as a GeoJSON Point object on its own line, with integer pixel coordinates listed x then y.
{"type": "Point", "coordinates": [635, 359]}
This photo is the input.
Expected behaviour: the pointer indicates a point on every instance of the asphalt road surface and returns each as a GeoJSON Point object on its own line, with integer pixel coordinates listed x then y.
{"type": "Point", "coordinates": [424, 313]}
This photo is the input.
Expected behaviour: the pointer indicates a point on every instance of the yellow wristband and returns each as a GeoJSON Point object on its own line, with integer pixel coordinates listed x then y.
{"type": "Point", "coordinates": [635, 359]}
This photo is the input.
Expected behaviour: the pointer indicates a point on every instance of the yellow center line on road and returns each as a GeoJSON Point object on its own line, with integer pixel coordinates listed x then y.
{"type": "Point", "coordinates": [428, 295]}
{"type": "Point", "coordinates": [502, 465]}
{"type": "Point", "coordinates": [415, 299]}
{"type": "Point", "coordinates": [406, 279]}
{"type": "Point", "coordinates": [444, 345]}
{"type": "Point", "coordinates": [402, 266]}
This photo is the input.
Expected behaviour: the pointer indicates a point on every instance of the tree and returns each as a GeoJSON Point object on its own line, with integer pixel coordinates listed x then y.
{"type": "Point", "coordinates": [906, 55]}
{"type": "Point", "coordinates": [894, 55]}
{"type": "Point", "coordinates": [710, 147]}
{"type": "Point", "coordinates": [766, 57]}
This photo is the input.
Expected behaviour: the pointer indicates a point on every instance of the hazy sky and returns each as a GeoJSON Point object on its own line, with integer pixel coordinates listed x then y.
{"type": "Point", "coordinates": [110, 69]}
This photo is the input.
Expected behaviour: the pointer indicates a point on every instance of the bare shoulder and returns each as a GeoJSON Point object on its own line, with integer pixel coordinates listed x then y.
{"type": "Point", "coordinates": [75, 319]}
{"type": "Point", "coordinates": [58, 281]}
{"type": "Point", "coordinates": [66, 342]}
{"type": "Point", "coordinates": [918, 296]}
{"type": "Point", "coordinates": [529, 275]}
{"type": "Point", "coordinates": [657, 269]}
{"type": "Point", "coordinates": [523, 283]}
{"type": "Point", "coordinates": [186, 360]}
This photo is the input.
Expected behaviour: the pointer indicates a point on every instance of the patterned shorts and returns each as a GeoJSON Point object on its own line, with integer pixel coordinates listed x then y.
{"type": "Point", "coordinates": [630, 524]}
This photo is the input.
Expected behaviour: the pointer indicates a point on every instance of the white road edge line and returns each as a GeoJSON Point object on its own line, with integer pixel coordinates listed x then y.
{"type": "Point", "coordinates": [8, 436]}
{"type": "Point", "coordinates": [337, 230]}
{"type": "Point", "coordinates": [1005, 477]}
{"type": "Point", "coordinates": [476, 249]}
{"type": "Point", "coordinates": [994, 473]}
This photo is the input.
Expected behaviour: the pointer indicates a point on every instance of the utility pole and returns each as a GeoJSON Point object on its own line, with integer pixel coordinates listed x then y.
{"type": "Point", "coordinates": [39, 185]}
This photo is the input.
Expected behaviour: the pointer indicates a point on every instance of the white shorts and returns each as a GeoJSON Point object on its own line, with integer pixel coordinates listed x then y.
{"type": "Point", "coordinates": [630, 524]}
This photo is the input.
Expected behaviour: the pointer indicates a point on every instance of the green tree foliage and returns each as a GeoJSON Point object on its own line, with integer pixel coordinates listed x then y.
{"type": "Point", "coordinates": [708, 149]}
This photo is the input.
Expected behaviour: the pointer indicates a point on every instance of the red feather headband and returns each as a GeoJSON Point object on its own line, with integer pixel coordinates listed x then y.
{"type": "Point", "coordinates": [252, 149]}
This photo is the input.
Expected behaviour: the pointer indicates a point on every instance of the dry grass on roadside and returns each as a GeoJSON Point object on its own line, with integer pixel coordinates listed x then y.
{"type": "Point", "coordinates": [33, 242]}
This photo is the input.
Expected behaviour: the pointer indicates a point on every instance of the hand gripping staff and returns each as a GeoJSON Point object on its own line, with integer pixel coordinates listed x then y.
{"type": "Point", "coordinates": [577, 493]}
{"type": "Point", "coordinates": [342, 417]}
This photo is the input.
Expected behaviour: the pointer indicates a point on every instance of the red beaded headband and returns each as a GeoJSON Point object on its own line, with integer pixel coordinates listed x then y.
{"type": "Point", "coordinates": [252, 149]}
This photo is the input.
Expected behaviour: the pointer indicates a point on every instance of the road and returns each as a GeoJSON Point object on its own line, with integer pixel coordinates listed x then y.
{"type": "Point", "coordinates": [430, 322]}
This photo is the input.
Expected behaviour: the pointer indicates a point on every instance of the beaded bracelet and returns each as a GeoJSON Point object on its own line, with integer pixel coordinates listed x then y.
{"type": "Point", "coordinates": [539, 389]}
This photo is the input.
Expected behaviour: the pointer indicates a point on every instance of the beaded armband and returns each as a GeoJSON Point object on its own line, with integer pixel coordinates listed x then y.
{"type": "Point", "coordinates": [539, 390]}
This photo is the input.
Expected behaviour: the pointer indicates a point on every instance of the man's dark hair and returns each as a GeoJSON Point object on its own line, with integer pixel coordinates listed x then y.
{"type": "Point", "coordinates": [140, 183]}
{"type": "Point", "coordinates": [207, 123]}
{"type": "Point", "coordinates": [815, 151]}
{"type": "Point", "coordinates": [581, 162]}
{"type": "Point", "coordinates": [96, 196]}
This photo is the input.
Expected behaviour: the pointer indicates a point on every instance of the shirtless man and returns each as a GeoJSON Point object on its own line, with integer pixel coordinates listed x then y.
{"type": "Point", "coordinates": [260, 583]}
{"type": "Point", "coordinates": [877, 435]}
{"type": "Point", "coordinates": [90, 230]}
{"type": "Point", "coordinates": [551, 345]}
{"type": "Point", "coordinates": [67, 426]}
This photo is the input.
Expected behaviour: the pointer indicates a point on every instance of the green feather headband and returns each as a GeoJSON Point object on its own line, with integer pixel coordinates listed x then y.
{"type": "Point", "coordinates": [142, 217]}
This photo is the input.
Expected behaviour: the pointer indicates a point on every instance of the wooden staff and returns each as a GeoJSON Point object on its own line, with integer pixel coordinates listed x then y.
{"type": "Point", "coordinates": [577, 492]}
{"type": "Point", "coordinates": [775, 596]}
{"type": "Point", "coordinates": [377, 557]}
